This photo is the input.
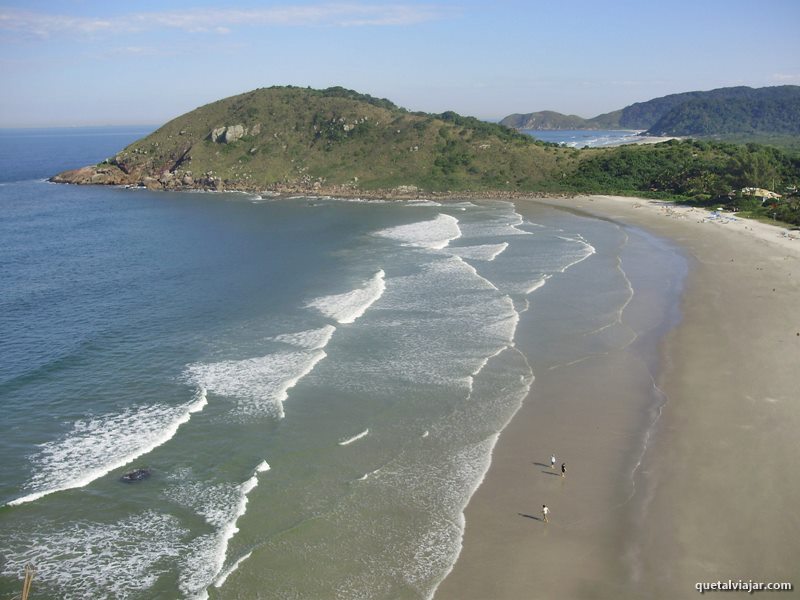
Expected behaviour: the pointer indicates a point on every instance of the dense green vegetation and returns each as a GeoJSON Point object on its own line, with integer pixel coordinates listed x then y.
{"type": "Point", "coordinates": [701, 172]}
{"type": "Point", "coordinates": [755, 113]}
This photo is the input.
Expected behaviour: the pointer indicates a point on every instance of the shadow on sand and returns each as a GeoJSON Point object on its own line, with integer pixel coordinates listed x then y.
{"type": "Point", "coordinates": [527, 516]}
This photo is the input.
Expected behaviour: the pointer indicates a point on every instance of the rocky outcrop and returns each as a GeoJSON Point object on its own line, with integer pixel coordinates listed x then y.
{"type": "Point", "coordinates": [228, 134]}
{"type": "Point", "coordinates": [216, 134]}
{"type": "Point", "coordinates": [232, 133]}
{"type": "Point", "coordinates": [98, 175]}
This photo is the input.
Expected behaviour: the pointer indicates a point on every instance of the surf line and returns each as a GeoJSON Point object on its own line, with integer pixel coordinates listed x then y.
{"type": "Point", "coordinates": [167, 433]}
{"type": "Point", "coordinates": [358, 436]}
{"type": "Point", "coordinates": [225, 534]}
{"type": "Point", "coordinates": [346, 308]}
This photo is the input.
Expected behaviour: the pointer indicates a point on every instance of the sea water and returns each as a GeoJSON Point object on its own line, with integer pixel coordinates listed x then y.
{"type": "Point", "coordinates": [580, 138]}
{"type": "Point", "coordinates": [314, 384]}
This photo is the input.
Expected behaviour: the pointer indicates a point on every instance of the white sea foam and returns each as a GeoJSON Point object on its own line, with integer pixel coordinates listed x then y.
{"type": "Point", "coordinates": [434, 234]}
{"type": "Point", "coordinates": [474, 271]}
{"type": "Point", "coordinates": [588, 250]}
{"type": "Point", "coordinates": [470, 384]}
{"type": "Point", "coordinates": [485, 361]}
{"type": "Point", "coordinates": [260, 385]}
{"type": "Point", "coordinates": [498, 220]}
{"type": "Point", "coordinates": [350, 440]}
{"type": "Point", "coordinates": [99, 445]}
{"type": "Point", "coordinates": [357, 200]}
{"type": "Point", "coordinates": [536, 285]}
{"type": "Point", "coordinates": [366, 476]}
{"type": "Point", "coordinates": [221, 505]}
{"type": "Point", "coordinates": [313, 339]}
{"type": "Point", "coordinates": [513, 224]}
{"type": "Point", "coordinates": [94, 560]}
{"type": "Point", "coordinates": [445, 297]}
{"type": "Point", "coordinates": [347, 307]}
{"type": "Point", "coordinates": [421, 203]}
{"type": "Point", "coordinates": [487, 252]}
{"type": "Point", "coordinates": [219, 581]}
{"type": "Point", "coordinates": [473, 463]}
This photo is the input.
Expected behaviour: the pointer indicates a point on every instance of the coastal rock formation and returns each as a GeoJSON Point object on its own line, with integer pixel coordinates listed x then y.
{"type": "Point", "coordinates": [135, 475]}
{"type": "Point", "coordinates": [228, 134]}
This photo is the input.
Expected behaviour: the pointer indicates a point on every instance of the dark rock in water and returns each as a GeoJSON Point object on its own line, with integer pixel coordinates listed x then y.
{"type": "Point", "coordinates": [135, 475]}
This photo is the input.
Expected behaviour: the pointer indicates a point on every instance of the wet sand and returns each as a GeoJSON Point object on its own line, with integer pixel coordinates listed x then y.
{"type": "Point", "coordinates": [679, 472]}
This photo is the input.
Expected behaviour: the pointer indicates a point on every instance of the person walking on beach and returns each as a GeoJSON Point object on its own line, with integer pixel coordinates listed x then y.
{"type": "Point", "coordinates": [563, 469]}
{"type": "Point", "coordinates": [553, 461]}
{"type": "Point", "coordinates": [545, 512]}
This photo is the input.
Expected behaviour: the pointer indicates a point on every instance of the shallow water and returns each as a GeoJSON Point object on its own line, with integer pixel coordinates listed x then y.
{"type": "Point", "coordinates": [315, 386]}
{"type": "Point", "coordinates": [581, 138]}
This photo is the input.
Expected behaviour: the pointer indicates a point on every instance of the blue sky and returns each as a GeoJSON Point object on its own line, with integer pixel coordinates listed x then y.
{"type": "Point", "coordinates": [82, 62]}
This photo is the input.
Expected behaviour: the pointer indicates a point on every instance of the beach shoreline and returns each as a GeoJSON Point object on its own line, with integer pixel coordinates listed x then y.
{"type": "Point", "coordinates": [698, 486]}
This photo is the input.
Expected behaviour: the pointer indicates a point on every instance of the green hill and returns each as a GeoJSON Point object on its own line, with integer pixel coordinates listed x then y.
{"type": "Point", "coordinates": [544, 120]}
{"type": "Point", "coordinates": [761, 111]}
{"type": "Point", "coordinates": [299, 139]}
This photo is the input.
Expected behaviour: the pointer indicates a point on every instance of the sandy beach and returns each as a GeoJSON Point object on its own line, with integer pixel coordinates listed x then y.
{"type": "Point", "coordinates": [681, 470]}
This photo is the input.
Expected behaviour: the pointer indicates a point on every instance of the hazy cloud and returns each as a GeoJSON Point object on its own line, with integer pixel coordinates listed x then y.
{"type": "Point", "coordinates": [786, 77]}
{"type": "Point", "coordinates": [220, 20]}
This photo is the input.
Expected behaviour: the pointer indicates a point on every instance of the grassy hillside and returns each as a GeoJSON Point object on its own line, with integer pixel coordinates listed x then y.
{"type": "Point", "coordinates": [295, 138]}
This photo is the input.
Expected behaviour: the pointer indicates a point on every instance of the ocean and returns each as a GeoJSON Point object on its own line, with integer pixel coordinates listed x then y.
{"type": "Point", "coordinates": [579, 138]}
{"type": "Point", "coordinates": [313, 385]}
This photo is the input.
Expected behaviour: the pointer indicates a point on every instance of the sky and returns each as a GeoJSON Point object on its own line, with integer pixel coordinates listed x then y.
{"type": "Point", "coordinates": [86, 62]}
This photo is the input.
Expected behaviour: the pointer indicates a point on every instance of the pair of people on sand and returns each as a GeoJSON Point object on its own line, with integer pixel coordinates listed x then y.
{"type": "Point", "coordinates": [553, 465]}
{"type": "Point", "coordinates": [545, 510]}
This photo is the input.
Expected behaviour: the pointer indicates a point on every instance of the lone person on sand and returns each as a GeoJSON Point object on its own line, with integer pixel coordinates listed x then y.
{"type": "Point", "coordinates": [563, 469]}
{"type": "Point", "coordinates": [545, 512]}
{"type": "Point", "coordinates": [553, 461]}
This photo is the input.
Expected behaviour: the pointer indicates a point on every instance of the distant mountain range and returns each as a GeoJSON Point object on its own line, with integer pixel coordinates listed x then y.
{"type": "Point", "coordinates": [724, 111]}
